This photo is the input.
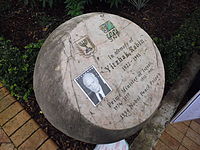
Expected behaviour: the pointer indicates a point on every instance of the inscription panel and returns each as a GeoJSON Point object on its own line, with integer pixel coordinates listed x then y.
{"type": "Point", "coordinates": [128, 60]}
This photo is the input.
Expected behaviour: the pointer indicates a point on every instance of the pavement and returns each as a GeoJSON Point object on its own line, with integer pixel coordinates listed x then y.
{"type": "Point", "coordinates": [180, 136]}
{"type": "Point", "coordinates": [18, 131]}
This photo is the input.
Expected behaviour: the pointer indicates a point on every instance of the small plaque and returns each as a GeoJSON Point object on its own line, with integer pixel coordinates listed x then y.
{"type": "Point", "coordinates": [93, 85]}
{"type": "Point", "coordinates": [86, 47]}
{"type": "Point", "coordinates": [109, 29]}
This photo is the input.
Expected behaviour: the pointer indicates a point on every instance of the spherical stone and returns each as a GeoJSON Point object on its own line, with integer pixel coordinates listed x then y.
{"type": "Point", "coordinates": [98, 78]}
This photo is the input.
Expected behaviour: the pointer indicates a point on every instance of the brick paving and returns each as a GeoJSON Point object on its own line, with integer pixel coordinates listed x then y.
{"type": "Point", "coordinates": [17, 130]}
{"type": "Point", "coordinates": [180, 136]}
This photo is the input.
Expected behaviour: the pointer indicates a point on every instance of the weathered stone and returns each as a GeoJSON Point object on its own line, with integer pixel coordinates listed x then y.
{"type": "Point", "coordinates": [153, 129]}
{"type": "Point", "coordinates": [123, 54]}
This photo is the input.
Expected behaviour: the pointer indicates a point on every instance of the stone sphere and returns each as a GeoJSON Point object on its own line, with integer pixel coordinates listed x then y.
{"type": "Point", "coordinates": [98, 78]}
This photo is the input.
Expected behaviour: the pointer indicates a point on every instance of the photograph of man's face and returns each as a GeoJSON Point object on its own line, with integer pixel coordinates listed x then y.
{"type": "Point", "coordinates": [93, 85]}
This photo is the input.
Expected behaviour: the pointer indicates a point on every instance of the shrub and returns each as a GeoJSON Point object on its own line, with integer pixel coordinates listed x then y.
{"type": "Point", "coordinates": [75, 7]}
{"type": "Point", "coordinates": [17, 66]}
{"type": "Point", "coordinates": [176, 51]}
{"type": "Point", "coordinates": [43, 3]}
{"type": "Point", "coordinates": [113, 2]}
{"type": "Point", "coordinates": [138, 4]}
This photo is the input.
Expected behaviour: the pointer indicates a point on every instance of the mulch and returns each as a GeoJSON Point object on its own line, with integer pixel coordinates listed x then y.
{"type": "Point", "coordinates": [23, 25]}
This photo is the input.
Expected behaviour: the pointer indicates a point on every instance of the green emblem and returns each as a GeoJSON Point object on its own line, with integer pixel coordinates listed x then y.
{"type": "Point", "coordinates": [109, 29]}
{"type": "Point", "coordinates": [107, 26]}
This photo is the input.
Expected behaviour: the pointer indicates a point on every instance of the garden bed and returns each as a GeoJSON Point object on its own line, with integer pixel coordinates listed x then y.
{"type": "Point", "coordinates": [24, 25]}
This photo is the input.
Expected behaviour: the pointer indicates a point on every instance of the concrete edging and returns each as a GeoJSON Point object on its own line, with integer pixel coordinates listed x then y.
{"type": "Point", "coordinates": [151, 132]}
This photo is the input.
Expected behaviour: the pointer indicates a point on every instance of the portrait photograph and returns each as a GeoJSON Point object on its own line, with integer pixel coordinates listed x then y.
{"type": "Point", "coordinates": [93, 85]}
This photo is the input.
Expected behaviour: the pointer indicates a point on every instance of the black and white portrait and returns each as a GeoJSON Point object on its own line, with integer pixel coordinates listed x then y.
{"type": "Point", "coordinates": [93, 85]}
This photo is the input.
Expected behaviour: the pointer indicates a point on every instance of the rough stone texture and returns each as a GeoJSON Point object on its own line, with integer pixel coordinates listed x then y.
{"type": "Point", "coordinates": [123, 54]}
{"type": "Point", "coordinates": [153, 129]}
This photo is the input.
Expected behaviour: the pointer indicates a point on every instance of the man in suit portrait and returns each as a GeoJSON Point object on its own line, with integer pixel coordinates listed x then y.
{"type": "Point", "coordinates": [97, 88]}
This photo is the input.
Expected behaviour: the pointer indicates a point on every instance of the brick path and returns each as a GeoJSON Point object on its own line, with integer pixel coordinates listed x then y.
{"type": "Point", "coordinates": [180, 136]}
{"type": "Point", "coordinates": [17, 130]}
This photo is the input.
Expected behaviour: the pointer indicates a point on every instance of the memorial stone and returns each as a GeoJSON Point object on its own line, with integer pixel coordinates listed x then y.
{"type": "Point", "coordinates": [98, 78]}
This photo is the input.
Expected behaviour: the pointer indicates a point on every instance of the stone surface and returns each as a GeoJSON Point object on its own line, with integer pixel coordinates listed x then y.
{"type": "Point", "coordinates": [48, 145]}
{"type": "Point", "coordinates": [123, 54]}
{"type": "Point", "coordinates": [16, 122]}
{"type": "Point", "coordinates": [153, 129]}
{"type": "Point", "coordinates": [24, 132]}
{"type": "Point", "coordinates": [10, 112]}
{"type": "Point", "coordinates": [34, 141]}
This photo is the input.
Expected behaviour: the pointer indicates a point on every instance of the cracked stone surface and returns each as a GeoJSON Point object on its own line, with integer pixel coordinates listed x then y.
{"type": "Point", "coordinates": [126, 59]}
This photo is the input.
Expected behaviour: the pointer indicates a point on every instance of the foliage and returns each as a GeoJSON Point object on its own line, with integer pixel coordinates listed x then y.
{"type": "Point", "coordinates": [31, 3]}
{"type": "Point", "coordinates": [43, 3]}
{"type": "Point", "coordinates": [75, 7]}
{"type": "Point", "coordinates": [16, 67]}
{"type": "Point", "coordinates": [5, 5]}
{"type": "Point", "coordinates": [138, 4]}
{"type": "Point", "coordinates": [45, 20]}
{"type": "Point", "coordinates": [176, 51]}
{"type": "Point", "coordinates": [113, 2]}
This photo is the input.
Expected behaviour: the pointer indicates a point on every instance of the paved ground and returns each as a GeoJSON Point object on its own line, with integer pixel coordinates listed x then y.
{"type": "Point", "coordinates": [180, 136]}
{"type": "Point", "coordinates": [17, 130]}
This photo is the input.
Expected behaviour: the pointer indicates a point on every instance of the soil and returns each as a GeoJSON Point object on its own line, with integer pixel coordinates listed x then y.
{"type": "Point", "coordinates": [24, 24]}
